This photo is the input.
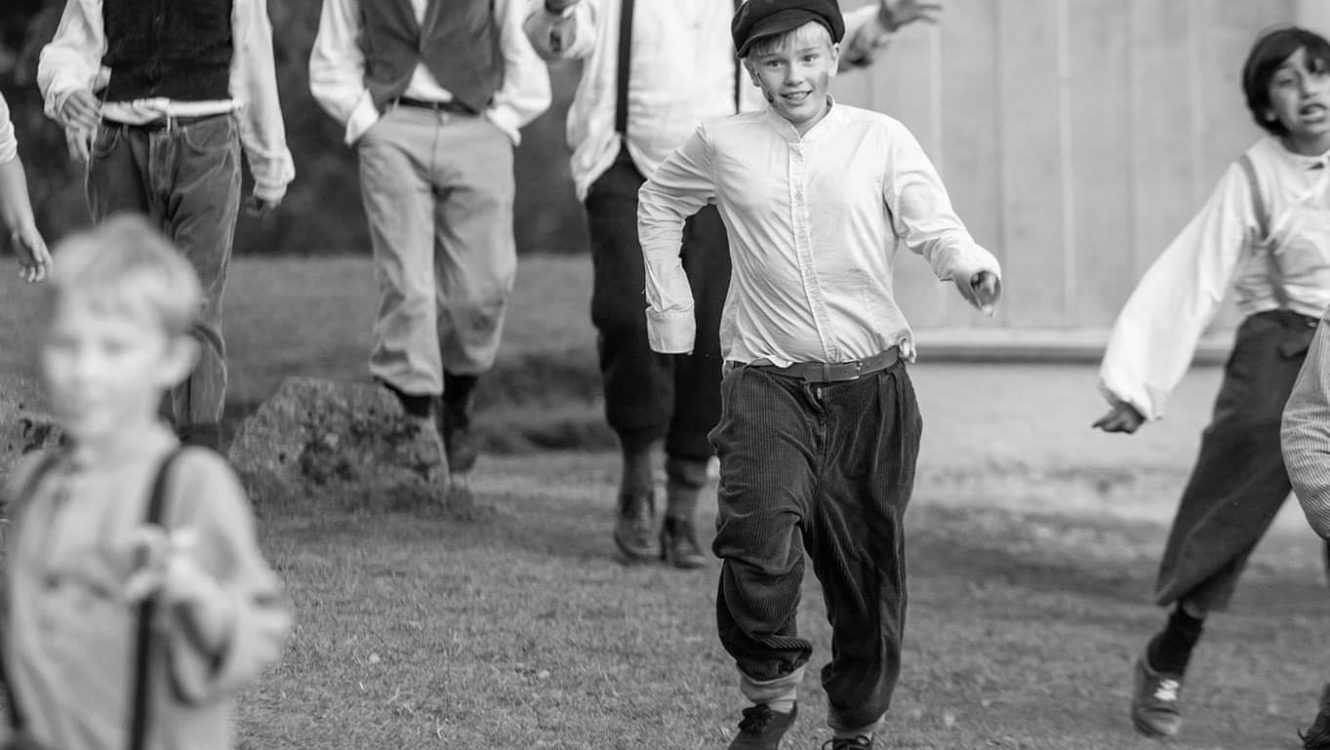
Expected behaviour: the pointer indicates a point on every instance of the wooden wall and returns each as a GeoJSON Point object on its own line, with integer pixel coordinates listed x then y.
{"type": "Point", "coordinates": [1076, 137]}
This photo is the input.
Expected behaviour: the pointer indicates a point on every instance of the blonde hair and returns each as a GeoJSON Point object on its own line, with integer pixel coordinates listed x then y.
{"type": "Point", "coordinates": [125, 266]}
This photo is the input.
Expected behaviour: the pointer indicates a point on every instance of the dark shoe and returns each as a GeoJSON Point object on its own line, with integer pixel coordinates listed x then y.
{"type": "Point", "coordinates": [427, 448]}
{"type": "Point", "coordinates": [848, 743]}
{"type": "Point", "coordinates": [1317, 737]}
{"type": "Point", "coordinates": [1154, 701]}
{"type": "Point", "coordinates": [678, 544]}
{"type": "Point", "coordinates": [458, 440]}
{"type": "Point", "coordinates": [633, 526]}
{"type": "Point", "coordinates": [761, 728]}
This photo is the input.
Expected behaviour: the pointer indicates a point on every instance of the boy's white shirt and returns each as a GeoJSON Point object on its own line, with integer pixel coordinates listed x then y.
{"type": "Point", "coordinates": [8, 142]}
{"type": "Point", "coordinates": [1155, 335]}
{"type": "Point", "coordinates": [337, 71]}
{"type": "Point", "coordinates": [813, 224]}
{"type": "Point", "coordinates": [683, 72]}
{"type": "Point", "coordinates": [73, 61]}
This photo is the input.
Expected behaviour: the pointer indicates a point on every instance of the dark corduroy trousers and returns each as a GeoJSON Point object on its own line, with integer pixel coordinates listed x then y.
{"type": "Point", "coordinates": [826, 469]}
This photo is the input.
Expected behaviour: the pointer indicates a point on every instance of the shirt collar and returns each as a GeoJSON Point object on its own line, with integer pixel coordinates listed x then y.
{"type": "Point", "coordinates": [787, 130]}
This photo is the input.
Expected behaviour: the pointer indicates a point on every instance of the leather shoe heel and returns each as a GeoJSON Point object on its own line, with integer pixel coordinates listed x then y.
{"type": "Point", "coordinates": [678, 544]}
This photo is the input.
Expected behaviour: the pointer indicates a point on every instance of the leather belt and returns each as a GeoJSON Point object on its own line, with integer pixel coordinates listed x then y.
{"type": "Point", "coordinates": [171, 122]}
{"type": "Point", "coordinates": [454, 107]}
{"type": "Point", "coordinates": [835, 372]}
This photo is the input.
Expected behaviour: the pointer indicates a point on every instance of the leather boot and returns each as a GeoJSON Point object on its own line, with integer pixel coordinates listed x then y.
{"type": "Point", "coordinates": [635, 518]}
{"type": "Point", "coordinates": [684, 480]}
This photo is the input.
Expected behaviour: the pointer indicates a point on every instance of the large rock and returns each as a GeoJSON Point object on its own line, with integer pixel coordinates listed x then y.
{"type": "Point", "coordinates": [319, 443]}
{"type": "Point", "coordinates": [25, 423]}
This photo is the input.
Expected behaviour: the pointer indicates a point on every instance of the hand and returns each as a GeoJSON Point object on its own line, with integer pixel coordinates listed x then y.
{"type": "Point", "coordinates": [260, 207]}
{"type": "Point", "coordinates": [983, 290]}
{"type": "Point", "coordinates": [1123, 417]}
{"type": "Point", "coordinates": [81, 110]}
{"type": "Point", "coordinates": [34, 260]}
{"type": "Point", "coordinates": [897, 13]}
{"type": "Point", "coordinates": [559, 6]}
{"type": "Point", "coordinates": [79, 143]}
{"type": "Point", "coordinates": [167, 566]}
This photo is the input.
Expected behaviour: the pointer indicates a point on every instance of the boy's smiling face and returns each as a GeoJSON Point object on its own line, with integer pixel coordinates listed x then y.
{"type": "Point", "coordinates": [1300, 100]}
{"type": "Point", "coordinates": [794, 71]}
{"type": "Point", "coordinates": [106, 368]}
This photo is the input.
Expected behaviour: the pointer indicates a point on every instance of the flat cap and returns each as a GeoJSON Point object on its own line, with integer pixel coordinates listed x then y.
{"type": "Point", "coordinates": [759, 18]}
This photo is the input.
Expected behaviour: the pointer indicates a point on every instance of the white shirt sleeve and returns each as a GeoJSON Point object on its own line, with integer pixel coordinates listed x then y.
{"type": "Point", "coordinates": [525, 92]}
{"type": "Point", "coordinates": [72, 60]}
{"type": "Point", "coordinates": [253, 84]}
{"type": "Point", "coordinates": [568, 35]}
{"type": "Point", "coordinates": [8, 142]}
{"type": "Point", "coordinates": [1155, 335]}
{"type": "Point", "coordinates": [679, 188]}
{"type": "Point", "coordinates": [337, 69]}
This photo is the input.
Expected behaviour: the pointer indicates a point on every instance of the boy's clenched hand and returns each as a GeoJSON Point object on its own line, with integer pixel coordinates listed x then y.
{"type": "Point", "coordinates": [1123, 417]}
{"type": "Point", "coordinates": [983, 290]}
{"type": "Point", "coordinates": [896, 13]}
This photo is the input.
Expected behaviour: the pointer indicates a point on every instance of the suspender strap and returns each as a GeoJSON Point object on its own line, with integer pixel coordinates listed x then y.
{"type": "Point", "coordinates": [738, 72]}
{"type": "Point", "coordinates": [1262, 212]}
{"type": "Point", "coordinates": [44, 465]}
{"type": "Point", "coordinates": [138, 723]}
{"type": "Point", "coordinates": [625, 58]}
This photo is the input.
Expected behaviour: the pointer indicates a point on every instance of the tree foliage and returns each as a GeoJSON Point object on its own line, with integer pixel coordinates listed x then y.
{"type": "Point", "coordinates": [322, 212]}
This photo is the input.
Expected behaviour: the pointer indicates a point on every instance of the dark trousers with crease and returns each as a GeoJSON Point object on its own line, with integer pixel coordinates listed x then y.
{"type": "Point", "coordinates": [649, 396]}
{"type": "Point", "coordinates": [1239, 481]}
{"type": "Point", "coordinates": [186, 180]}
{"type": "Point", "coordinates": [826, 469]}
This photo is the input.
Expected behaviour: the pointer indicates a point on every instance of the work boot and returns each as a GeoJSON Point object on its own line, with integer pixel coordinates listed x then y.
{"type": "Point", "coordinates": [684, 480]}
{"type": "Point", "coordinates": [634, 522]}
{"type": "Point", "coordinates": [1154, 700]}
{"type": "Point", "coordinates": [420, 412]}
{"type": "Point", "coordinates": [1317, 736]}
{"type": "Point", "coordinates": [459, 443]}
{"type": "Point", "coordinates": [761, 728]}
{"type": "Point", "coordinates": [862, 742]}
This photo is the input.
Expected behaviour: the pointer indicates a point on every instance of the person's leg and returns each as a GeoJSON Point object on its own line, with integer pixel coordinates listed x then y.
{"type": "Point", "coordinates": [706, 260]}
{"type": "Point", "coordinates": [399, 209]}
{"type": "Point", "coordinates": [638, 383]}
{"type": "Point", "coordinates": [196, 167]}
{"type": "Point", "coordinates": [1235, 490]}
{"type": "Point", "coordinates": [856, 541]}
{"type": "Point", "coordinates": [767, 440]}
{"type": "Point", "coordinates": [475, 262]}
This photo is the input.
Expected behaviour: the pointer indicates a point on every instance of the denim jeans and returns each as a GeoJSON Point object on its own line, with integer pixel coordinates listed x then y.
{"type": "Point", "coordinates": [1239, 481]}
{"type": "Point", "coordinates": [828, 469]}
{"type": "Point", "coordinates": [438, 191]}
{"type": "Point", "coordinates": [185, 177]}
{"type": "Point", "coordinates": [648, 395]}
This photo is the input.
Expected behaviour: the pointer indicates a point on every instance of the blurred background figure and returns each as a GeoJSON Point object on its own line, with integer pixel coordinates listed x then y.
{"type": "Point", "coordinates": [16, 207]}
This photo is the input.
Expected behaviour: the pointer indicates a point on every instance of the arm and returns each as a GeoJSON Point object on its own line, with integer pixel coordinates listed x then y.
{"type": "Point", "coordinates": [337, 69]}
{"type": "Point", "coordinates": [680, 187]}
{"type": "Point", "coordinates": [561, 29]}
{"type": "Point", "coordinates": [525, 92]}
{"type": "Point", "coordinates": [16, 206]}
{"type": "Point", "coordinates": [1305, 434]}
{"type": "Point", "coordinates": [254, 84]}
{"type": "Point", "coordinates": [227, 616]}
{"type": "Point", "coordinates": [70, 63]}
{"type": "Point", "coordinates": [922, 217]}
{"type": "Point", "coordinates": [868, 30]}
{"type": "Point", "coordinates": [1155, 335]}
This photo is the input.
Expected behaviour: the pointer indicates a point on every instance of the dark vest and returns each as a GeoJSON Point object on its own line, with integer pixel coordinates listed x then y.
{"type": "Point", "coordinates": [458, 42]}
{"type": "Point", "coordinates": [178, 49]}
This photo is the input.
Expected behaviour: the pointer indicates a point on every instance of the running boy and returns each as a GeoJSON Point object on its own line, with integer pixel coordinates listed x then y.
{"type": "Point", "coordinates": [819, 427]}
{"type": "Point", "coordinates": [157, 98]}
{"type": "Point", "coordinates": [81, 553]}
{"type": "Point", "coordinates": [1268, 223]}
{"type": "Point", "coordinates": [16, 208]}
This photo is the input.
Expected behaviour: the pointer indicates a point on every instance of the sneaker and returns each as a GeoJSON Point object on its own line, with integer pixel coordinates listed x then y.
{"type": "Point", "coordinates": [848, 743]}
{"type": "Point", "coordinates": [678, 544]}
{"type": "Point", "coordinates": [634, 523]}
{"type": "Point", "coordinates": [1154, 701]}
{"type": "Point", "coordinates": [1317, 737]}
{"type": "Point", "coordinates": [761, 728]}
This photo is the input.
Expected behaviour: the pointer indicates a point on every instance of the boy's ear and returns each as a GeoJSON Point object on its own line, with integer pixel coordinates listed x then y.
{"type": "Point", "coordinates": [835, 57]}
{"type": "Point", "coordinates": [182, 353]}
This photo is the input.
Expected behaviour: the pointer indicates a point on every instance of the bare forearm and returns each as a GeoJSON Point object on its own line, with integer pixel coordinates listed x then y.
{"type": "Point", "coordinates": [15, 203]}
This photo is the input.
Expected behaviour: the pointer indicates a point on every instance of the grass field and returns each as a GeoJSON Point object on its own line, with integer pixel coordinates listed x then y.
{"type": "Point", "coordinates": [1032, 545]}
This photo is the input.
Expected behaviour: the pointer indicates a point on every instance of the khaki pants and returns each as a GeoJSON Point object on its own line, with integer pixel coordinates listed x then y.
{"type": "Point", "coordinates": [438, 192]}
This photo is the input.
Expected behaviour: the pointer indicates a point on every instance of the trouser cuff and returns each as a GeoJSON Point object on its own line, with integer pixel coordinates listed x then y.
{"type": "Point", "coordinates": [779, 691]}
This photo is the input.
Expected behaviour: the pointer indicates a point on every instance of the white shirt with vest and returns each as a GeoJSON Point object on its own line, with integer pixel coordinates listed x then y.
{"type": "Point", "coordinates": [682, 71]}
{"type": "Point", "coordinates": [337, 71]}
{"type": "Point", "coordinates": [814, 223]}
{"type": "Point", "coordinates": [1155, 336]}
{"type": "Point", "coordinates": [73, 61]}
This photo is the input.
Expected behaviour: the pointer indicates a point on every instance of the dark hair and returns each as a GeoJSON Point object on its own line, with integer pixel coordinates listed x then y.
{"type": "Point", "coordinates": [1270, 51]}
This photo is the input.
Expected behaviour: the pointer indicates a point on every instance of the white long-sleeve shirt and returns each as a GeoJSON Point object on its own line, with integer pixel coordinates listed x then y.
{"type": "Point", "coordinates": [813, 223]}
{"type": "Point", "coordinates": [337, 71]}
{"type": "Point", "coordinates": [682, 72]}
{"type": "Point", "coordinates": [1155, 335]}
{"type": "Point", "coordinates": [8, 142]}
{"type": "Point", "coordinates": [72, 61]}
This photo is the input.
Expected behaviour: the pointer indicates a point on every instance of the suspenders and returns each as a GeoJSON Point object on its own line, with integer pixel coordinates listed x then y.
{"type": "Point", "coordinates": [624, 68]}
{"type": "Point", "coordinates": [1262, 212]}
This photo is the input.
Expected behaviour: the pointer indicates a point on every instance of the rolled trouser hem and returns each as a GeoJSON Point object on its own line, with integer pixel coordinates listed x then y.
{"type": "Point", "coordinates": [778, 692]}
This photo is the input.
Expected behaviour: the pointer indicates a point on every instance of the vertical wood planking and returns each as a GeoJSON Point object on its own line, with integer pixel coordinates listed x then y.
{"type": "Point", "coordinates": [1033, 242]}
